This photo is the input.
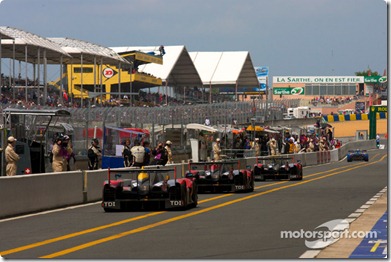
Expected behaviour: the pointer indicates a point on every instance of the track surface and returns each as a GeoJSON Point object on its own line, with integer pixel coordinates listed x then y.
{"type": "Point", "coordinates": [223, 226]}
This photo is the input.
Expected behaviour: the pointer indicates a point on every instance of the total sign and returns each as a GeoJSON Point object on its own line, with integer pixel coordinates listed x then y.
{"type": "Point", "coordinates": [109, 72]}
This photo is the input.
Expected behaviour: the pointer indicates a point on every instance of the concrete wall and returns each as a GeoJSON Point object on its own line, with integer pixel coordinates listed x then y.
{"type": "Point", "coordinates": [31, 193]}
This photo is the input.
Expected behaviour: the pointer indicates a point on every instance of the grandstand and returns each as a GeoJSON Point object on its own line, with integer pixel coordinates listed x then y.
{"type": "Point", "coordinates": [105, 81]}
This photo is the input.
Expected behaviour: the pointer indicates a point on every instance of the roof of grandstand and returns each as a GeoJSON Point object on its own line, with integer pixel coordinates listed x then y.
{"type": "Point", "coordinates": [23, 41]}
{"type": "Point", "coordinates": [88, 51]}
{"type": "Point", "coordinates": [15, 43]}
{"type": "Point", "coordinates": [4, 34]}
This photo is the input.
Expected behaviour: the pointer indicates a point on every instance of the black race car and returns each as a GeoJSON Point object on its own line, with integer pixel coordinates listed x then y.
{"type": "Point", "coordinates": [148, 189]}
{"type": "Point", "coordinates": [277, 167]}
{"type": "Point", "coordinates": [221, 176]}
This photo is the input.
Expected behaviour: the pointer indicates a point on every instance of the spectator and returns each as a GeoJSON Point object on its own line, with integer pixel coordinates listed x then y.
{"type": "Point", "coordinates": [148, 153]}
{"type": "Point", "coordinates": [273, 146]}
{"type": "Point", "coordinates": [94, 153]}
{"type": "Point", "coordinates": [257, 147]}
{"type": "Point", "coordinates": [330, 134]}
{"type": "Point", "coordinates": [264, 146]}
{"type": "Point", "coordinates": [217, 150]}
{"type": "Point", "coordinates": [138, 153]}
{"type": "Point", "coordinates": [323, 144]}
{"type": "Point", "coordinates": [338, 144]}
{"type": "Point", "coordinates": [68, 151]}
{"type": "Point", "coordinates": [311, 146]}
{"type": "Point", "coordinates": [161, 50]}
{"type": "Point", "coordinates": [11, 157]}
{"type": "Point", "coordinates": [203, 148]}
{"type": "Point", "coordinates": [169, 152]}
{"type": "Point", "coordinates": [377, 140]}
{"type": "Point", "coordinates": [127, 154]}
{"type": "Point", "coordinates": [160, 155]}
{"type": "Point", "coordinates": [297, 147]}
{"type": "Point", "coordinates": [291, 146]}
{"type": "Point", "coordinates": [237, 146]}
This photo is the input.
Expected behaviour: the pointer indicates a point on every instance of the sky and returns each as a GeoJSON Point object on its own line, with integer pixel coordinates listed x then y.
{"type": "Point", "coordinates": [291, 37]}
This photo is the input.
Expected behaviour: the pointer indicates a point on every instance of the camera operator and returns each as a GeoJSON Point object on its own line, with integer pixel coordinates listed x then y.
{"type": "Point", "coordinates": [61, 151]}
{"type": "Point", "coordinates": [57, 157]}
{"type": "Point", "coordinates": [160, 155]}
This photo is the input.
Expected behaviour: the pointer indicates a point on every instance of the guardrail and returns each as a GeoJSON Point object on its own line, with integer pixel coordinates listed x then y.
{"type": "Point", "coordinates": [37, 192]}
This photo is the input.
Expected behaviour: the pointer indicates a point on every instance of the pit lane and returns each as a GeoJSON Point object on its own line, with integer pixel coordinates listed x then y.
{"type": "Point", "coordinates": [222, 226]}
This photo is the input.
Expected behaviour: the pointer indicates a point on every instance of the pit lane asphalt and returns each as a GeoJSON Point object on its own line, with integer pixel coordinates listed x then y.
{"type": "Point", "coordinates": [223, 226]}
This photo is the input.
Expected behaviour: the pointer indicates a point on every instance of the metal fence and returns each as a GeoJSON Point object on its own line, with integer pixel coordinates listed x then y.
{"type": "Point", "coordinates": [84, 120]}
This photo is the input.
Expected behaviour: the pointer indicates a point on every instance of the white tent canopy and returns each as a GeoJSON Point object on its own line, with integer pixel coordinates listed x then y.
{"type": "Point", "coordinates": [177, 69]}
{"type": "Point", "coordinates": [233, 68]}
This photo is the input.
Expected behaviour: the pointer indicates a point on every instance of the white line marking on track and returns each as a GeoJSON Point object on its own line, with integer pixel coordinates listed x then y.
{"type": "Point", "coordinates": [48, 212]}
{"type": "Point", "coordinates": [351, 218]}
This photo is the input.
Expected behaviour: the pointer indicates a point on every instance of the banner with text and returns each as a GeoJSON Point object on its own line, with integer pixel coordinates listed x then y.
{"type": "Point", "coordinates": [288, 91]}
{"type": "Point", "coordinates": [318, 79]}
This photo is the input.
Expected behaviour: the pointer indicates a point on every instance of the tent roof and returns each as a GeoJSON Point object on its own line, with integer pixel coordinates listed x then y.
{"type": "Point", "coordinates": [177, 69]}
{"type": "Point", "coordinates": [33, 42]}
{"type": "Point", "coordinates": [89, 50]}
{"type": "Point", "coordinates": [225, 68]}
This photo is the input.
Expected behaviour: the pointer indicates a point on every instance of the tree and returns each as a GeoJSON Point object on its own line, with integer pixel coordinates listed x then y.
{"type": "Point", "coordinates": [367, 72]}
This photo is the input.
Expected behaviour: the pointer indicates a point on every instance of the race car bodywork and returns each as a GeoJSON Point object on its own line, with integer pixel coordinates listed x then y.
{"type": "Point", "coordinates": [277, 167]}
{"type": "Point", "coordinates": [357, 155]}
{"type": "Point", "coordinates": [148, 188]}
{"type": "Point", "coordinates": [221, 176]}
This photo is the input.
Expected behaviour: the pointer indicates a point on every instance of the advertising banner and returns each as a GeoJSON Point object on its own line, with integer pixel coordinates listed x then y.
{"type": "Point", "coordinates": [288, 91]}
{"type": "Point", "coordinates": [262, 73]}
{"type": "Point", "coordinates": [375, 79]}
{"type": "Point", "coordinates": [318, 79]}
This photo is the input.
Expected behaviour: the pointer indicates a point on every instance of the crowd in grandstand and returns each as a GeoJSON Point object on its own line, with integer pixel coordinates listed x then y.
{"type": "Point", "coordinates": [35, 96]}
{"type": "Point", "coordinates": [332, 100]}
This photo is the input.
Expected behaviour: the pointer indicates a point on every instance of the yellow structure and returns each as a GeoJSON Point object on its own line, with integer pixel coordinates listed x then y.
{"type": "Point", "coordinates": [101, 81]}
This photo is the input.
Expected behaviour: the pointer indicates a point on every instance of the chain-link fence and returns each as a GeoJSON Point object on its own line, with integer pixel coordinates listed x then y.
{"type": "Point", "coordinates": [89, 122]}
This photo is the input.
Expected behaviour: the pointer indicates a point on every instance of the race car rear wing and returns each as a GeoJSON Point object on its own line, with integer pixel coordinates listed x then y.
{"type": "Point", "coordinates": [275, 158]}
{"type": "Point", "coordinates": [129, 170]}
{"type": "Point", "coordinates": [209, 164]}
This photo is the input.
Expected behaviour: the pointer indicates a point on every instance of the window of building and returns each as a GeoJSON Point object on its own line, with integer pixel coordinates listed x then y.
{"type": "Point", "coordinates": [338, 90]}
{"type": "Point", "coordinates": [85, 70]}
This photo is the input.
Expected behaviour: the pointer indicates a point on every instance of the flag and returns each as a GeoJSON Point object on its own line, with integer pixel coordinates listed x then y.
{"type": "Point", "coordinates": [65, 96]}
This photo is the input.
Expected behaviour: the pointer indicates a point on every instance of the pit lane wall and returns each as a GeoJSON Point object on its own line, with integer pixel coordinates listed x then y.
{"type": "Point", "coordinates": [353, 117]}
{"type": "Point", "coordinates": [38, 192]}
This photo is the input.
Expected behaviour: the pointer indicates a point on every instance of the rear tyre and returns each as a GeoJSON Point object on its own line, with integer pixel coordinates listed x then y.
{"type": "Point", "coordinates": [301, 175]}
{"type": "Point", "coordinates": [252, 183]}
